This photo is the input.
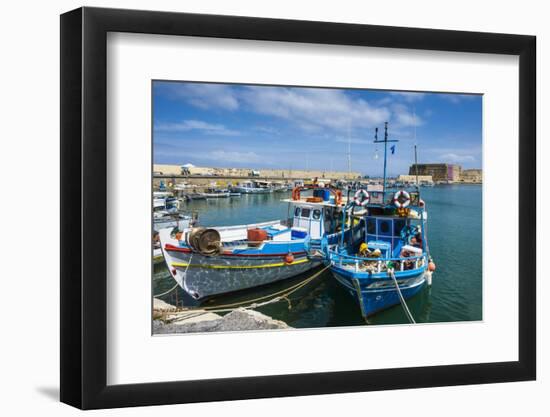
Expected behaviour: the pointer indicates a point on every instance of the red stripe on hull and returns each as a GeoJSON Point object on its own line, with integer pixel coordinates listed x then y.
{"type": "Point", "coordinates": [171, 248]}
{"type": "Point", "coordinates": [269, 255]}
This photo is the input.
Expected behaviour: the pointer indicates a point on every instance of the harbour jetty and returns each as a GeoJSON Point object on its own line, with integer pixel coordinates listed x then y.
{"type": "Point", "coordinates": [177, 171]}
{"type": "Point", "coordinates": [168, 320]}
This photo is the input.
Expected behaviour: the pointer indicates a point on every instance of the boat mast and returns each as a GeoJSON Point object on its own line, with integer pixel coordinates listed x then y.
{"type": "Point", "coordinates": [415, 156]}
{"type": "Point", "coordinates": [385, 141]}
{"type": "Point", "coordinates": [349, 150]}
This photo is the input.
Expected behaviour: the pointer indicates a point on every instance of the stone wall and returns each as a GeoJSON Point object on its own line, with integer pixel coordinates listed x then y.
{"type": "Point", "coordinates": [243, 172]}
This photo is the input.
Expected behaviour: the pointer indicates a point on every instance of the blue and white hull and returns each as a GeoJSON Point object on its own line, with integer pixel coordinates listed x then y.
{"type": "Point", "coordinates": [378, 292]}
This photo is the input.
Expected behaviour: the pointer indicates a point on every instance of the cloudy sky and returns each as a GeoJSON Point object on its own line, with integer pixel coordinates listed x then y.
{"type": "Point", "coordinates": [224, 125]}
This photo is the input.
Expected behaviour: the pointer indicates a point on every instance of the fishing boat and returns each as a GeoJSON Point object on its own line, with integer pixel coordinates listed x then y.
{"type": "Point", "coordinates": [163, 219]}
{"type": "Point", "coordinates": [280, 187]}
{"type": "Point", "coordinates": [250, 187]}
{"type": "Point", "coordinates": [391, 261]}
{"type": "Point", "coordinates": [216, 193]}
{"type": "Point", "coordinates": [194, 196]}
{"type": "Point", "coordinates": [218, 260]}
{"type": "Point", "coordinates": [165, 200]}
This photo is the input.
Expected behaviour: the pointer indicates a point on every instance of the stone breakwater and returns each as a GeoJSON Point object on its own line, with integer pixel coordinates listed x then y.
{"type": "Point", "coordinates": [169, 321]}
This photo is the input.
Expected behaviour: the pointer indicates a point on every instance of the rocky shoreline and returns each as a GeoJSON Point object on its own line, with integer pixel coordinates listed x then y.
{"type": "Point", "coordinates": [167, 320]}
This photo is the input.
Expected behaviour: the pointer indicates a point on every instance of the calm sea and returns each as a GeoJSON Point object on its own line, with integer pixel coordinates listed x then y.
{"type": "Point", "coordinates": [454, 235]}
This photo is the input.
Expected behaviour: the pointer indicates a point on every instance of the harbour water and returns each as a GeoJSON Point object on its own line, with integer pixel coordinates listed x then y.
{"type": "Point", "coordinates": [454, 237]}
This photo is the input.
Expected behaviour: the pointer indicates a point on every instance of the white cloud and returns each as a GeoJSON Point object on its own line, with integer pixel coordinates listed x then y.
{"type": "Point", "coordinates": [456, 98]}
{"type": "Point", "coordinates": [404, 116]}
{"type": "Point", "coordinates": [314, 109]}
{"type": "Point", "coordinates": [188, 125]}
{"type": "Point", "coordinates": [409, 96]}
{"type": "Point", "coordinates": [204, 96]}
{"type": "Point", "coordinates": [456, 158]}
{"type": "Point", "coordinates": [234, 156]}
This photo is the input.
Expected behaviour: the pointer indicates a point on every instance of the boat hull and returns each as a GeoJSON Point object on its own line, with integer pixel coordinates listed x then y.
{"type": "Point", "coordinates": [378, 294]}
{"type": "Point", "coordinates": [204, 276]}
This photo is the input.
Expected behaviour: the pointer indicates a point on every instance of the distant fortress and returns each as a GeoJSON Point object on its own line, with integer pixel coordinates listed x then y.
{"type": "Point", "coordinates": [446, 173]}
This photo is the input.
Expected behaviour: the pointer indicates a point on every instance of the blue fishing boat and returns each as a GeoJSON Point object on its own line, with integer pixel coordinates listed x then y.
{"type": "Point", "coordinates": [391, 261]}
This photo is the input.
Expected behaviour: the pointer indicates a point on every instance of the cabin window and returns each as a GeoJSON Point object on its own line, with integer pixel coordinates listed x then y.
{"type": "Point", "coordinates": [297, 211]}
{"type": "Point", "coordinates": [398, 225]}
{"type": "Point", "coordinates": [371, 226]}
{"type": "Point", "coordinates": [316, 214]}
{"type": "Point", "coordinates": [384, 227]}
{"type": "Point", "coordinates": [305, 213]}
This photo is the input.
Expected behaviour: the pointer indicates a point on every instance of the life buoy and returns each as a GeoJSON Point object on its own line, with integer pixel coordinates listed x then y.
{"type": "Point", "coordinates": [296, 193]}
{"type": "Point", "coordinates": [401, 199]}
{"type": "Point", "coordinates": [361, 197]}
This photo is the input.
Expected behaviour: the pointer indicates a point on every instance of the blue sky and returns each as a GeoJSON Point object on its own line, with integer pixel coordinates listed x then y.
{"type": "Point", "coordinates": [227, 125]}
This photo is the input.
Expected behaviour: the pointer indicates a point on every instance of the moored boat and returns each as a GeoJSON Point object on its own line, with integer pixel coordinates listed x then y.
{"type": "Point", "coordinates": [250, 187]}
{"type": "Point", "coordinates": [391, 262]}
{"type": "Point", "coordinates": [219, 260]}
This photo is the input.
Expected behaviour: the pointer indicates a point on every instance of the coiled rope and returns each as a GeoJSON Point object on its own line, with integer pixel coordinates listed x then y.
{"type": "Point", "coordinates": [401, 298]}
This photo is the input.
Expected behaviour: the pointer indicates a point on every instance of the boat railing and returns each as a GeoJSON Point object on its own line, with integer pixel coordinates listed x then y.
{"type": "Point", "coordinates": [345, 260]}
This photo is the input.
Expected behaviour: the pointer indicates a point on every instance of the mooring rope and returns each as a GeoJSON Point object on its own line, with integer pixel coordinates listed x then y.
{"type": "Point", "coordinates": [166, 292]}
{"type": "Point", "coordinates": [175, 286]}
{"type": "Point", "coordinates": [253, 303]}
{"type": "Point", "coordinates": [403, 303]}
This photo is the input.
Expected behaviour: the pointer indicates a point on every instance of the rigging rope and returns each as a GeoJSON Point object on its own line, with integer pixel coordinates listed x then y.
{"type": "Point", "coordinates": [403, 303]}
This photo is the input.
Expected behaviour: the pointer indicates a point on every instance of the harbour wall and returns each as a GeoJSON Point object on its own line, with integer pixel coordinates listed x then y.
{"type": "Point", "coordinates": [280, 174]}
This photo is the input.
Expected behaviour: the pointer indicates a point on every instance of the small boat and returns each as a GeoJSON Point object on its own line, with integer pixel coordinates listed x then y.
{"type": "Point", "coordinates": [194, 196]}
{"type": "Point", "coordinates": [163, 219]}
{"type": "Point", "coordinates": [216, 193]}
{"type": "Point", "coordinates": [164, 200]}
{"type": "Point", "coordinates": [250, 187]}
{"type": "Point", "coordinates": [280, 187]}
{"type": "Point", "coordinates": [218, 260]}
{"type": "Point", "coordinates": [391, 261]}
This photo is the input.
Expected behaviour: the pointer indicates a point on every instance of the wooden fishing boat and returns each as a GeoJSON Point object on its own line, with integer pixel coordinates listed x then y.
{"type": "Point", "coordinates": [391, 261]}
{"type": "Point", "coordinates": [218, 260]}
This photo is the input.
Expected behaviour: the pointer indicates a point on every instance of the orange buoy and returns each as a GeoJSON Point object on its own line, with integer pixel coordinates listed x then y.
{"type": "Point", "coordinates": [178, 235]}
{"type": "Point", "coordinates": [431, 266]}
{"type": "Point", "coordinates": [338, 198]}
{"type": "Point", "coordinates": [289, 258]}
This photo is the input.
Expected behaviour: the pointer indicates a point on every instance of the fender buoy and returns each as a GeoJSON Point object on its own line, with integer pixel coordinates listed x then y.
{"type": "Point", "coordinates": [296, 193]}
{"type": "Point", "coordinates": [361, 197]}
{"type": "Point", "coordinates": [431, 266]}
{"type": "Point", "coordinates": [401, 199]}
{"type": "Point", "coordinates": [289, 258]}
{"type": "Point", "coordinates": [421, 203]}
{"type": "Point", "coordinates": [338, 198]}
